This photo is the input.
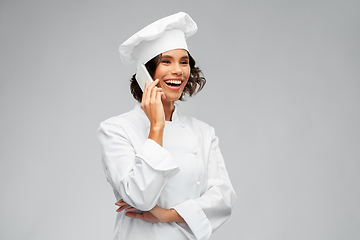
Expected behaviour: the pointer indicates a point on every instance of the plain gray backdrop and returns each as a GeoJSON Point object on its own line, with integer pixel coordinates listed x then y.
{"type": "Point", "coordinates": [283, 94]}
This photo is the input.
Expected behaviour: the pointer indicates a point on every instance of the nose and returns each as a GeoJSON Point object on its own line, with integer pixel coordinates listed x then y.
{"type": "Point", "coordinates": [176, 69]}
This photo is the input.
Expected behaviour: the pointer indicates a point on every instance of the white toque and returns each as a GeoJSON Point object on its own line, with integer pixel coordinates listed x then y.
{"type": "Point", "coordinates": [163, 35]}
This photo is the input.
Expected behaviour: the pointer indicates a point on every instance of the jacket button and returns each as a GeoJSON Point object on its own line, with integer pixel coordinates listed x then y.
{"type": "Point", "coordinates": [194, 151]}
{"type": "Point", "coordinates": [198, 183]}
{"type": "Point", "coordinates": [182, 125]}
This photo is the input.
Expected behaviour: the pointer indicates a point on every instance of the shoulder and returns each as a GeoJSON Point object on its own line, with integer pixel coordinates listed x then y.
{"type": "Point", "coordinates": [133, 119]}
{"type": "Point", "coordinates": [120, 119]}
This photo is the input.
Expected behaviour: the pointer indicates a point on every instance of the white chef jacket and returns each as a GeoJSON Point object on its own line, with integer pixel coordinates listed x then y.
{"type": "Point", "coordinates": [187, 174]}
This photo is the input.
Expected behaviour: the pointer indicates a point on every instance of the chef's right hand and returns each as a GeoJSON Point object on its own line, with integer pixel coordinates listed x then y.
{"type": "Point", "coordinates": [152, 105]}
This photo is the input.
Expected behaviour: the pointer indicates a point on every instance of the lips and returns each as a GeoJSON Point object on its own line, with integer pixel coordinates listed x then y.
{"type": "Point", "coordinates": [174, 84]}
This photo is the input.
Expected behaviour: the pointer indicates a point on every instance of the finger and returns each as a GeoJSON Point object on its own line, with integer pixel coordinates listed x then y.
{"type": "Point", "coordinates": [131, 209]}
{"type": "Point", "coordinates": [148, 93]}
{"type": "Point", "coordinates": [134, 215]}
{"type": "Point", "coordinates": [153, 95]}
{"type": "Point", "coordinates": [154, 83]}
{"type": "Point", "coordinates": [144, 94]}
{"type": "Point", "coordinates": [152, 87]}
{"type": "Point", "coordinates": [121, 204]}
{"type": "Point", "coordinates": [146, 85]}
{"type": "Point", "coordinates": [159, 96]}
{"type": "Point", "coordinates": [156, 91]}
{"type": "Point", "coordinates": [123, 207]}
{"type": "Point", "coordinates": [159, 89]}
{"type": "Point", "coordinates": [143, 99]}
{"type": "Point", "coordinates": [120, 209]}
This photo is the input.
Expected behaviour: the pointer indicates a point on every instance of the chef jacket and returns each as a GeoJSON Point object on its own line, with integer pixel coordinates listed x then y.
{"type": "Point", "coordinates": [187, 174]}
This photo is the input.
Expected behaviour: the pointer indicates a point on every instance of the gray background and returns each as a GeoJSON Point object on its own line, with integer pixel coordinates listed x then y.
{"type": "Point", "coordinates": [282, 93]}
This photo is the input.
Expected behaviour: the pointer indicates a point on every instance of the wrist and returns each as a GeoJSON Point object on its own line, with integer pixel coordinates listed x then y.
{"type": "Point", "coordinates": [156, 134]}
{"type": "Point", "coordinates": [157, 127]}
{"type": "Point", "coordinates": [167, 215]}
{"type": "Point", "coordinates": [173, 216]}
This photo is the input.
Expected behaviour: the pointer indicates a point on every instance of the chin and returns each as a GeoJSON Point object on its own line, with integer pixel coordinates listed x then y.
{"type": "Point", "coordinates": [172, 97]}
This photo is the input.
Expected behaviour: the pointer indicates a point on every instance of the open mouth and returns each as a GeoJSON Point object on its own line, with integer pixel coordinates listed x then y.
{"type": "Point", "coordinates": [173, 83]}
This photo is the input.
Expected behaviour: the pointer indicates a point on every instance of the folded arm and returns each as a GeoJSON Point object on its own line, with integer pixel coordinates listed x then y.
{"type": "Point", "coordinates": [138, 177]}
{"type": "Point", "coordinates": [155, 215]}
{"type": "Point", "coordinates": [198, 218]}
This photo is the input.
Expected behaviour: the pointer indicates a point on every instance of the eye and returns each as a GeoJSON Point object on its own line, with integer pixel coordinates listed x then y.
{"type": "Point", "coordinates": [165, 61]}
{"type": "Point", "coordinates": [185, 62]}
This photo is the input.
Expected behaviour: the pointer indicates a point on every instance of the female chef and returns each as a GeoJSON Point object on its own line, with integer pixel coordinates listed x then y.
{"type": "Point", "coordinates": [166, 170]}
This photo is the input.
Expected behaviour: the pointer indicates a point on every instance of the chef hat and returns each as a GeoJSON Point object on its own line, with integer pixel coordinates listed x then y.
{"type": "Point", "coordinates": [163, 35]}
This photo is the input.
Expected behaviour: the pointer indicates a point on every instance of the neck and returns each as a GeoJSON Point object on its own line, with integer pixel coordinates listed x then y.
{"type": "Point", "coordinates": [168, 109]}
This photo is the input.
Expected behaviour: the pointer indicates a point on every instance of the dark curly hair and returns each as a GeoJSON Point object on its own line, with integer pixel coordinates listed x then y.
{"type": "Point", "coordinates": [194, 85]}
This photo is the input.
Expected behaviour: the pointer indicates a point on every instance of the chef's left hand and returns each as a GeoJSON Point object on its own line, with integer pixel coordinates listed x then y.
{"type": "Point", "coordinates": [144, 215]}
{"type": "Point", "coordinates": [155, 215]}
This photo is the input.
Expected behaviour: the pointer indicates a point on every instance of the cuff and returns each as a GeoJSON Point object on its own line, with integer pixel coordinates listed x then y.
{"type": "Point", "coordinates": [158, 158]}
{"type": "Point", "coordinates": [198, 225]}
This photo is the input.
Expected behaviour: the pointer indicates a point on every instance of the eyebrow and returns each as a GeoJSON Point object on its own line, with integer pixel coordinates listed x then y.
{"type": "Point", "coordinates": [168, 56]}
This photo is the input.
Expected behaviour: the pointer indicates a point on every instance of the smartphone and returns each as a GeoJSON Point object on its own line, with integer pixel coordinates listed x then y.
{"type": "Point", "coordinates": [143, 76]}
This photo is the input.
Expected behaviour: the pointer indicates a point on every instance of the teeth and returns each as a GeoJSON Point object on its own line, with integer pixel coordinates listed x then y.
{"type": "Point", "coordinates": [173, 81]}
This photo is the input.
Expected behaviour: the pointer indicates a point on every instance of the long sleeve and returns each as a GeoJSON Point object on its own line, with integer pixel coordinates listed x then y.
{"type": "Point", "coordinates": [137, 173]}
{"type": "Point", "coordinates": [208, 212]}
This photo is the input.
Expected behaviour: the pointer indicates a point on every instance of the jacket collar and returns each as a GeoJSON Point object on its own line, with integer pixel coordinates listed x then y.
{"type": "Point", "coordinates": [144, 118]}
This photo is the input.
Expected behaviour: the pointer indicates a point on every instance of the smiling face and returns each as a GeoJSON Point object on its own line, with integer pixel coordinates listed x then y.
{"type": "Point", "coordinates": [173, 73]}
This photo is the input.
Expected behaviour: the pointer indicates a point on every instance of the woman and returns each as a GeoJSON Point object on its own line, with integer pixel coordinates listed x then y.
{"type": "Point", "coordinates": [166, 170]}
